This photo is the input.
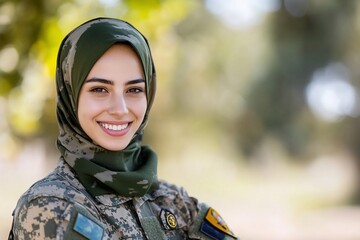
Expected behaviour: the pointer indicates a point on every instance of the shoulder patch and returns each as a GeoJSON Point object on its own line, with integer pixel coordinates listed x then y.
{"type": "Point", "coordinates": [214, 226]}
{"type": "Point", "coordinates": [88, 228]}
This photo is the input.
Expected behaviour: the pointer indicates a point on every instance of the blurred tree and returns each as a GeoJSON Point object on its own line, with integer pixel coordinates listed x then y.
{"type": "Point", "coordinates": [276, 101]}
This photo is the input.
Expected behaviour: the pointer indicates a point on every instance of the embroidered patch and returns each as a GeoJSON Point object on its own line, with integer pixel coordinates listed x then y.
{"type": "Point", "coordinates": [168, 219]}
{"type": "Point", "coordinates": [212, 232]}
{"type": "Point", "coordinates": [88, 228]}
{"type": "Point", "coordinates": [214, 218]}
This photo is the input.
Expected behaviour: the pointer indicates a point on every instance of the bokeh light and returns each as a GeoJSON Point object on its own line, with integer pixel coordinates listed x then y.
{"type": "Point", "coordinates": [330, 94]}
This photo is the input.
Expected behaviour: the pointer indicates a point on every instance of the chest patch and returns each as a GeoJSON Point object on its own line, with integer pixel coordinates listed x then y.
{"type": "Point", "coordinates": [88, 228]}
{"type": "Point", "coordinates": [168, 219]}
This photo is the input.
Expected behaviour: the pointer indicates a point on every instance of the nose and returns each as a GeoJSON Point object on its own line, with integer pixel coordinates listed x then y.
{"type": "Point", "coordinates": [118, 105]}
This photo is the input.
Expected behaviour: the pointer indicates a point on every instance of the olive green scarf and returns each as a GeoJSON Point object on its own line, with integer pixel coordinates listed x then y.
{"type": "Point", "coordinates": [132, 171]}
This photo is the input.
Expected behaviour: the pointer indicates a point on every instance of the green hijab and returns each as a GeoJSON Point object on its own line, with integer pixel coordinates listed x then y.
{"type": "Point", "coordinates": [129, 172]}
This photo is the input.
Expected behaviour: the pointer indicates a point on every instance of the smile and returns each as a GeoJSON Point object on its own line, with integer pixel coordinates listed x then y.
{"type": "Point", "coordinates": [114, 127]}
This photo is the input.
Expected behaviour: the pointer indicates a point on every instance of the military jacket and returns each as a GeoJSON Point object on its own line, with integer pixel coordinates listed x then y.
{"type": "Point", "coordinates": [59, 207]}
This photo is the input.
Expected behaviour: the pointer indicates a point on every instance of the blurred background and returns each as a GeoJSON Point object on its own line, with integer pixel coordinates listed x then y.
{"type": "Point", "coordinates": [257, 109]}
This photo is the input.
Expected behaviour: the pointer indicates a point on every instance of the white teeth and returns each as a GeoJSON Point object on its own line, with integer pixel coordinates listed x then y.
{"type": "Point", "coordinates": [114, 127]}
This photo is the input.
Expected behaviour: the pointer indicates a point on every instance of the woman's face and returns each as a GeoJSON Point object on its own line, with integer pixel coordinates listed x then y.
{"type": "Point", "coordinates": [112, 100]}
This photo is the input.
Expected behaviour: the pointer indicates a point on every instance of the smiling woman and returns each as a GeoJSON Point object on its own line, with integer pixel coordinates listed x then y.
{"type": "Point", "coordinates": [105, 185]}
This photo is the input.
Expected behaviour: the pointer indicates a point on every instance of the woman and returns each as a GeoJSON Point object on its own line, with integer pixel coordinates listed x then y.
{"type": "Point", "coordinates": [105, 185]}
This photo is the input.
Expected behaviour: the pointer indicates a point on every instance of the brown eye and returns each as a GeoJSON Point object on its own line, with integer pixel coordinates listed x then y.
{"type": "Point", "coordinates": [98, 90]}
{"type": "Point", "coordinates": [135, 90]}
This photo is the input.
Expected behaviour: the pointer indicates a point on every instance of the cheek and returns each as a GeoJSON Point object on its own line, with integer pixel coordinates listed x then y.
{"type": "Point", "coordinates": [81, 111]}
{"type": "Point", "coordinates": [87, 110]}
{"type": "Point", "coordinates": [138, 109]}
{"type": "Point", "coordinates": [142, 109]}
{"type": "Point", "coordinates": [82, 116]}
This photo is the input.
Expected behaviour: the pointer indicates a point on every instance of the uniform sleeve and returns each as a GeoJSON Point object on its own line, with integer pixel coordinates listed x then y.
{"type": "Point", "coordinates": [202, 221]}
{"type": "Point", "coordinates": [208, 224]}
{"type": "Point", "coordinates": [39, 218]}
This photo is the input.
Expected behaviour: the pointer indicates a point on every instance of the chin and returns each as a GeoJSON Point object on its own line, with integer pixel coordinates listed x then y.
{"type": "Point", "coordinates": [114, 147]}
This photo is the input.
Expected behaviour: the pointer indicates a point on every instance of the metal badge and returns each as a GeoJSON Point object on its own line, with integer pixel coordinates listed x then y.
{"type": "Point", "coordinates": [168, 219]}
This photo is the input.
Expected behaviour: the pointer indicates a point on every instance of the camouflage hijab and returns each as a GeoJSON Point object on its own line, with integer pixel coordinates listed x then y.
{"type": "Point", "coordinates": [129, 172]}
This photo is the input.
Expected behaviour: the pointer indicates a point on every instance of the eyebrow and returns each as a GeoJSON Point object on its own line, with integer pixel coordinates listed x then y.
{"type": "Point", "coordinates": [110, 82]}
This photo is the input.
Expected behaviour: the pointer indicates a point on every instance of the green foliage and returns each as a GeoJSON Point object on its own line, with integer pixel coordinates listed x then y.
{"type": "Point", "coordinates": [300, 46]}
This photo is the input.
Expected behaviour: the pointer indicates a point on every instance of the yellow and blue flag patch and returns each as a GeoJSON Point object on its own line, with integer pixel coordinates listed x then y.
{"type": "Point", "coordinates": [214, 226]}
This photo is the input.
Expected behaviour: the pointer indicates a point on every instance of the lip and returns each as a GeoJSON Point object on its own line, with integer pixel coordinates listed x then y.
{"type": "Point", "coordinates": [115, 133]}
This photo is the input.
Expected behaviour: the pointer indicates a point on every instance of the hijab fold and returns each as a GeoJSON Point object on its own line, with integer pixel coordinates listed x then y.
{"type": "Point", "coordinates": [131, 171]}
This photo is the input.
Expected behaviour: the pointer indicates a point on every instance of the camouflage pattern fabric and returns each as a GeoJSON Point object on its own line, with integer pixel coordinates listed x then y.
{"type": "Point", "coordinates": [50, 208]}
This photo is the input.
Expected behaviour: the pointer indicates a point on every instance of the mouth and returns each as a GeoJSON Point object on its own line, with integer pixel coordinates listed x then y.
{"type": "Point", "coordinates": [114, 127]}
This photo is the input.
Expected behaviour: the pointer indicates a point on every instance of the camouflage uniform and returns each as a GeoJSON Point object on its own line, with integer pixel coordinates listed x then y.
{"type": "Point", "coordinates": [50, 208]}
{"type": "Point", "coordinates": [95, 193]}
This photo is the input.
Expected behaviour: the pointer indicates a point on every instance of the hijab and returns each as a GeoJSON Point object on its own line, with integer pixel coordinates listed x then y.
{"type": "Point", "coordinates": [131, 171]}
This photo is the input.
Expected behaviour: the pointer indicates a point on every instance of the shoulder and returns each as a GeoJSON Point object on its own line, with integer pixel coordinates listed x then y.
{"type": "Point", "coordinates": [175, 199]}
{"type": "Point", "coordinates": [50, 191]}
{"type": "Point", "coordinates": [200, 220]}
{"type": "Point", "coordinates": [167, 194]}
{"type": "Point", "coordinates": [52, 186]}
{"type": "Point", "coordinates": [60, 184]}
{"type": "Point", "coordinates": [44, 211]}
{"type": "Point", "coordinates": [210, 225]}
{"type": "Point", "coordinates": [166, 188]}
{"type": "Point", "coordinates": [56, 188]}
{"type": "Point", "coordinates": [44, 196]}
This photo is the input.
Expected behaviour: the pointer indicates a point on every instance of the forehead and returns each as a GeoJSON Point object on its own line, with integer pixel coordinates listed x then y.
{"type": "Point", "coordinates": [118, 62]}
{"type": "Point", "coordinates": [121, 50]}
